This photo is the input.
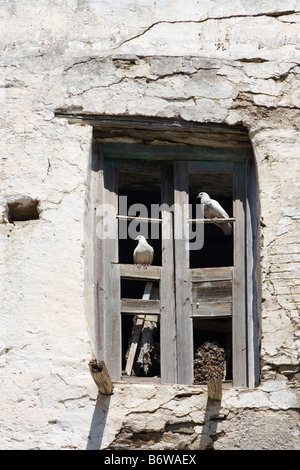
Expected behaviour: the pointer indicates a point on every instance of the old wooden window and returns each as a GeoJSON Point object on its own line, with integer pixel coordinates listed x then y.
{"type": "Point", "coordinates": [190, 296]}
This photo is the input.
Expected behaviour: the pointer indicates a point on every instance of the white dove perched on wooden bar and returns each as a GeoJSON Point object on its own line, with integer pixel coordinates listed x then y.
{"type": "Point", "coordinates": [144, 253]}
{"type": "Point", "coordinates": [214, 210]}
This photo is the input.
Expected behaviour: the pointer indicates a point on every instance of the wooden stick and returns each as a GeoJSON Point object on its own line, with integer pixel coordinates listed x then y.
{"type": "Point", "coordinates": [149, 219]}
{"type": "Point", "coordinates": [138, 218]}
{"type": "Point", "coordinates": [101, 377]}
{"type": "Point", "coordinates": [214, 388]}
{"type": "Point", "coordinates": [212, 221]}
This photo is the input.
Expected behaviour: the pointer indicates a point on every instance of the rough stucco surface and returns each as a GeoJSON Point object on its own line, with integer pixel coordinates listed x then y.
{"type": "Point", "coordinates": [230, 62]}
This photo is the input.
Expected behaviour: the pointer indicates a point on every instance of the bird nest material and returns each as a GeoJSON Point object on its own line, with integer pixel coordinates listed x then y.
{"type": "Point", "coordinates": [209, 363]}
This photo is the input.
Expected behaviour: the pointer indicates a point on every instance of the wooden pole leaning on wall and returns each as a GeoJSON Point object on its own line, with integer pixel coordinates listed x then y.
{"type": "Point", "coordinates": [101, 377]}
{"type": "Point", "coordinates": [214, 388]}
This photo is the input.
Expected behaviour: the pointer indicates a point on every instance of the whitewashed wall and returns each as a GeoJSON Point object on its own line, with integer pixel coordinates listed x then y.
{"type": "Point", "coordinates": [231, 62]}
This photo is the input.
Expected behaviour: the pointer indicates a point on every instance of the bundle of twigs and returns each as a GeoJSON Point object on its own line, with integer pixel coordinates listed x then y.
{"type": "Point", "coordinates": [209, 363]}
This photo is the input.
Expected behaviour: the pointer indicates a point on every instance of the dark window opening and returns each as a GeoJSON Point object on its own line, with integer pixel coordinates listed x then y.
{"type": "Point", "coordinates": [141, 189]}
{"type": "Point", "coordinates": [217, 250]}
{"type": "Point", "coordinates": [215, 334]}
{"type": "Point", "coordinates": [133, 289]}
{"type": "Point", "coordinates": [128, 245]}
{"type": "Point", "coordinates": [142, 345]}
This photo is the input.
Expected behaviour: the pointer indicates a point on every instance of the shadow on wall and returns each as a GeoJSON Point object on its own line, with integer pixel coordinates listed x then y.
{"type": "Point", "coordinates": [98, 422]}
{"type": "Point", "coordinates": [204, 441]}
{"type": "Point", "coordinates": [211, 419]}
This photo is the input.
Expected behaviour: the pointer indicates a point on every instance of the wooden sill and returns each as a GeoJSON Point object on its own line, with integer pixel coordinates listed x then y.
{"type": "Point", "coordinates": [226, 384]}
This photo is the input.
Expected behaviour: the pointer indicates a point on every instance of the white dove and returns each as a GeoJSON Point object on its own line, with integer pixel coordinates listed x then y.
{"type": "Point", "coordinates": [213, 210]}
{"type": "Point", "coordinates": [143, 254]}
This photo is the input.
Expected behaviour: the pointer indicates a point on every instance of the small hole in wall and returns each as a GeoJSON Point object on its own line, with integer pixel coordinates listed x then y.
{"type": "Point", "coordinates": [23, 209]}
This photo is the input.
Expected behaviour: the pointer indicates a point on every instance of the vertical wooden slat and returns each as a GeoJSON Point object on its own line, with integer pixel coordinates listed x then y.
{"type": "Point", "coordinates": [184, 326]}
{"type": "Point", "coordinates": [252, 294]}
{"type": "Point", "coordinates": [167, 288]}
{"type": "Point", "coordinates": [112, 278]}
{"type": "Point", "coordinates": [107, 320]}
{"type": "Point", "coordinates": [97, 185]}
{"type": "Point", "coordinates": [239, 318]}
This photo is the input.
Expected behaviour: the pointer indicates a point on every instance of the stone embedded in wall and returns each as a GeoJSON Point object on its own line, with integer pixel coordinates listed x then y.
{"type": "Point", "coordinates": [259, 430]}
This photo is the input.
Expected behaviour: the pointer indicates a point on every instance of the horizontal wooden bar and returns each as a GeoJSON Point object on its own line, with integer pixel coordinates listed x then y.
{"type": "Point", "coordinates": [139, 165]}
{"type": "Point", "coordinates": [224, 166]}
{"type": "Point", "coordinates": [140, 307]}
{"type": "Point", "coordinates": [135, 271]}
{"type": "Point", "coordinates": [149, 219]}
{"type": "Point", "coordinates": [180, 152]}
{"type": "Point", "coordinates": [211, 274]}
{"type": "Point", "coordinates": [212, 291]}
{"type": "Point", "coordinates": [212, 309]}
{"type": "Point", "coordinates": [138, 218]}
{"type": "Point", "coordinates": [212, 221]}
{"type": "Point", "coordinates": [136, 380]}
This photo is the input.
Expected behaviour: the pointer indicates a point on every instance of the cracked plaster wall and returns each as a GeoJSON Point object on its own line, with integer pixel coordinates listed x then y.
{"type": "Point", "coordinates": [230, 62]}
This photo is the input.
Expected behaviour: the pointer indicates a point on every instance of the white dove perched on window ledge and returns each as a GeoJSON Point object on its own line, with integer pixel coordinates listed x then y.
{"type": "Point", "coordinates": [144, 253]}
{"type": "Point", "coordinates": [213, 210]}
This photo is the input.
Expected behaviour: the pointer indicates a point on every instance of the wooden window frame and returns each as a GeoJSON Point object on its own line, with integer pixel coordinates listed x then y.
{"type": "Point", "coordinates": [177, 340]}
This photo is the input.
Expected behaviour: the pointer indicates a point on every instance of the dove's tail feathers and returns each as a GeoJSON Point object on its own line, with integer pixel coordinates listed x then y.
{"type": "Point", "coordinates": [227, 228]}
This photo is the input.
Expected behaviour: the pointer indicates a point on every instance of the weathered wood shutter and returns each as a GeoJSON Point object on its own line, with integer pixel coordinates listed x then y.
{"type": "Point", "coordinates": [185, 293]}
{"type": "Point", "coordinates": [167, 286]}
{"type": "Point", "coordinates": [239, 308]}
{"type": "Point", "coordinates": [211, 292]}
{"type": "Point", "coordinates": [184, 325]}
{"type": "Point", "coordinates": [106, 269]}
